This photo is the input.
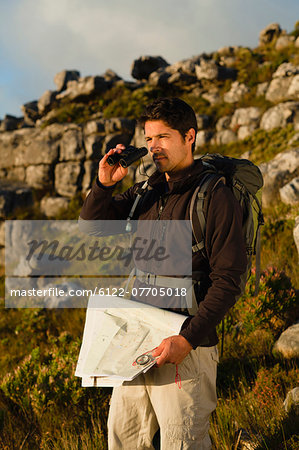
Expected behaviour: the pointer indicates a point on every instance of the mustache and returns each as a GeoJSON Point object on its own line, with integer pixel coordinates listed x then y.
{"type": "Point", "coordinates": [158, 155]}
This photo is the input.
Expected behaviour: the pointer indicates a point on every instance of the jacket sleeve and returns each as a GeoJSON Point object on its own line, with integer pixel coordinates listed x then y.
{"type": "Point", "coordinates": [228, 261]}
{"type": "Point", "coordinates": [101, 207]}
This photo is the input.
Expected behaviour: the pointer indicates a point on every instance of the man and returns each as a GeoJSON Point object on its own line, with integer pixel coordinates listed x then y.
{"type": "Point", "coordinates": [155, 400]}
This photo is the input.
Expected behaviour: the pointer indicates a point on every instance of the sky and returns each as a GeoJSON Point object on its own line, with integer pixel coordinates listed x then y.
{"type": "Point", "coordinates": [39, 38]}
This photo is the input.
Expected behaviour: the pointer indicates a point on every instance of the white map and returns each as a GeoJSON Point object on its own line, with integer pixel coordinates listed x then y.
{"type": "Point", "coordinates": [114, 337]}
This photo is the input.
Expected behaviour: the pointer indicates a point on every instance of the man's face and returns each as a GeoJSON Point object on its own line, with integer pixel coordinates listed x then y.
{"type": "Point", "coordinates": [169, 150]}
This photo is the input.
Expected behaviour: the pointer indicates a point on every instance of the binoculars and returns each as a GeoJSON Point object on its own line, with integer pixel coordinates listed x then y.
{"type": "Point", "coordinates": [127, 156]}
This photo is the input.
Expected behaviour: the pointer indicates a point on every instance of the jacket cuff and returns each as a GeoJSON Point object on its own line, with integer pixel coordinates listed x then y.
{"type": "Point", "coordinates": [184, 332]}
{"type": "Point", "coordinates": [100, 185]}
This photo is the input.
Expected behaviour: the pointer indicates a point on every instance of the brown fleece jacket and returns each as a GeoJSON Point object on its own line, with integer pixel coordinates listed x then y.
{"type": "Point", "coordinates": [224, 242]}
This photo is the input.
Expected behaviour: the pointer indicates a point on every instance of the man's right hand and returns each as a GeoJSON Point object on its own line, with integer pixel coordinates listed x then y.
{"type": "Point", "coordinates": [109, 175]}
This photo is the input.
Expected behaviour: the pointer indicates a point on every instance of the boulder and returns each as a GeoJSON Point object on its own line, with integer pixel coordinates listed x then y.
{"type": "Point", "coordinates": [12, 196]}
{"type": "Point", "coordinates": [159, 78]}
{"type": "Point", "coordinates": [39, 176]}
{"type": "Point", "coordinates": [291, 402]}
{"type": "Point", "coordinates": [68, 178]}
{"type": "Point", "coordinates": [186, 66]}
{"type": "Point", "coordinates": [289, 193]}
{"type": "Point", "coordinates": [94, 146]}
{"type": "Point", "coordinates": [207, 70]}
{"type": "Point", "coordinates": [62, 78]}
{"type": "Point", "coordinates": [111, 140]}
{"type": "Point", "coordinates": [262, 89]}
{"type": "Point", "coordinates": [71, 145]}
{"type": "Point", "coordinates": [224, 137]}
{"type": "Point", "coordinates": [212, 97]}
{"type": "Point", "coordinates": [203, 137]}
{"type": "Point", "coordinates": [236, 92]}
{"type": "Point", "coordinates": [277, 172]}
{"type": "Point", "coordinates": [284, 42]}
{"type": "Point", "coordinates": [269, 33]}
{"type": "Point", "coordinates": [16, 174]}
{"type": "Point", "coordinates": [245, 131]}
{"type": "Point", "coordinates": [203, 121]}
{"type": "Point", "coordinates": [223, 123]}
{"type": "Point", "coordinates": [288, 343]}
{"type": "Point", "coordinates": [286, 70]}
{"type": "Point", "coordinates": [245, 116]}
{"type": "Point", "coordinates": [30, 111]}
{"type": "Point", "coordinates": [84, 87]}
{"type": "Point", "coordinates": [10, 123]}
{"type": "Point", "coordinates": [117, 124]}
{"type": "Point", "coordinates": [138, 139]}
{"type": "Point", "coordinates": [181, 79]}
{"type": "Point", "coordinates": [38, 149]}
{"type": "Point", "coordinates": [45, 102]}
{"type": "Point", "coordinates": [51, 206]}
{"type": "Point", "coordinates": [142, 67]}
{"type": "Point", "coordinates": [2, 233]}
{"type": "Point", "coordinates": [293, 91]}
{"type": "Point", "coordinates": [280, 115]}
{"type": "Point", "coordinates": [90, 173]}
{"type": "Point", "coordinates": [278, 90]}
{"type": "Point", "coordinates": [296, 234]}
{"type": "Point", "coordinates": [94, 126]}
{"type": "Point", "coordinates": [111, 76]}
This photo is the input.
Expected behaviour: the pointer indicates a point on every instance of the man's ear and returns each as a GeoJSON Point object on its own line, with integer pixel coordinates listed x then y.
{"type": "Point", "coordinates": [190, 136]}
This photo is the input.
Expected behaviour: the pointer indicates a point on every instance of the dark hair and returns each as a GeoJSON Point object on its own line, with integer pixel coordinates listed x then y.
{"type": "Point", "coordinates": [176, 113]}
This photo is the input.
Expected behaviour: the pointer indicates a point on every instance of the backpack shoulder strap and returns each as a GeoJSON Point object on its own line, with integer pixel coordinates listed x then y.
{"type": "Point", "coordinates": [199, 204]}
{"type": "Point", "coordinates": [140, 192]}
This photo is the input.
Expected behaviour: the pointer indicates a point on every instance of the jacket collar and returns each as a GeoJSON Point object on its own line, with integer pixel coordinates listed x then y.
{"type": "Point", "coordinates": [177, 180]}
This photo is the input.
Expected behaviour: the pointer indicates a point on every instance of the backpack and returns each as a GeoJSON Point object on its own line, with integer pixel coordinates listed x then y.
{"type": "Point", "coordinates": [245, 180]}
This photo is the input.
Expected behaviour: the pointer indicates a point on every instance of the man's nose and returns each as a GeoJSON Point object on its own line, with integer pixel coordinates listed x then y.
{"type": "Point", "coordinates": [154, 146]}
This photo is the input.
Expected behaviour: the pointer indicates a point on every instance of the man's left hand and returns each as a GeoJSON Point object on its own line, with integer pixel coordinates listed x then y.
{"type": "Point", "coordinates": [172, 350]}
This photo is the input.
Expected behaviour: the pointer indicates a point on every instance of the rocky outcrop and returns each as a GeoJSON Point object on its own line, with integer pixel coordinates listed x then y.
{"type": "Point", "coordinates": [62, 78]}
{"type": "Point", "coordinates": [13, 196]}
{"type": "Point", "coordinates": [280, 115]}
{"type": "Point", "coordinates": [288, 343]}
{"type": "Point", "coordinates": [236, 92]}
{"type": "Point", "coordinates": [289, 193]}
{"type": "Point", "coordinates": [291, 402]}
{"type": "Point", "coordinates": [145, 65]}
{"type": "Point", "coordinates": [277, 173]}
{"type": "Point", "coordinates": [285, 84]}
{"type": "Point", "coordinates": [269, 33]}
{"type": "Point", "coordinates": [51, 206]}
{"type": "Point", "coordinates": [84, 87]}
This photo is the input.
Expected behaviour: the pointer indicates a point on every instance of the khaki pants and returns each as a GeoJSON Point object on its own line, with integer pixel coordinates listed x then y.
{"type": "Point", "coordinates": [153, 400]}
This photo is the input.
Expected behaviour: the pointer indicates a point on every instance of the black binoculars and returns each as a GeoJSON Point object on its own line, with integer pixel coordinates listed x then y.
{"type": "Point", "coordinates": [127, 156]}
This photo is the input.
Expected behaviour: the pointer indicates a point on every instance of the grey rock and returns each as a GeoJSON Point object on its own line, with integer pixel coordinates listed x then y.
{"type": "Point", "coordinates": [10, 123]}
{"type": "Point", "coordinates": [71, 145]}
{"type": "Point", "coordinates": [286, 70]}
{"type": "Point", "coordinates": [46, 100]}
{"type": "Point", "coordinates": [207, 70]}
{"type": "Point", "coordinates": [212, 97]}
{"type": "Point", "coordinates": [296, 234]}
{"type": "Point", "coordinates": [39, 176]}
{"type": "Point", "coordinates": [138, 139]}
{"type": "Point", "coordinates": [278, 90]}
{"type": "Point", "coordinates": [37, 150]}
{"type": "Point", "coordinates": [284, 42]}
{"type": "Point", "coordinates": [12, 196]}
{"type": "Point", "coordinates": [159, 78]}
{"type": "Point", "coordinates": [16, 174]}
{"type": "Point", "coordinates": [117, 124]}
{"type": "Point", "coordinates": [280, 115]}
{"type": "Point", "coordinates": [245, 131]}
{"type": "Point", "coordinates": [203, 137]}
{"type": "Point", "coordinates": [30, 111]}
{"type": "Point", "coordinates": [84, 87]}
{"type": "Point", "coordinates": [262, 89]}
{"type": "Point", "coordinates": [224, 137]}
{"type": "Point", "coordinates": [292, 401]}
{"type": "Point", "coordinates": [236, 92]}
{"type": "Point", "coordinates": [278, 172]}
{"type": "Point", "coordinates": [293, 91]}
{"type": "Point", "coordinates": [62, 78]}
{"type": "Point", "coordinates": [289, 193]}
{"type": "Point", "coordinates": [111, 140]}
{"type": "Point", "coordinates": [246, 116]}
{"type": "Point", "coordinates": [94, 127]}
{"type": "Point", "coordinates": [51, 206]}
{"type": "Point", "coordinates": [269, 33]}
{"type": "Point", "coordinates": [90, 173]}
{"type": "Point", "coordinates": [68, 178]}
{"type": "Point", "coordinates": [223, 123]}
{"type": "Point", "coordinates": [111, 76]}
{"type": "Point", "coordinates": [186, 66]}
{"type": "Point", "coordinates": [94, 146]}
{"type": "Point", "coordinates": [288, 342]}
{"type": "Point", "coordinates": [145, 65]}
{"type": "Point", "coordinates": [181, 78]}
{"type": "Point", "coordinates": [203, 121]}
